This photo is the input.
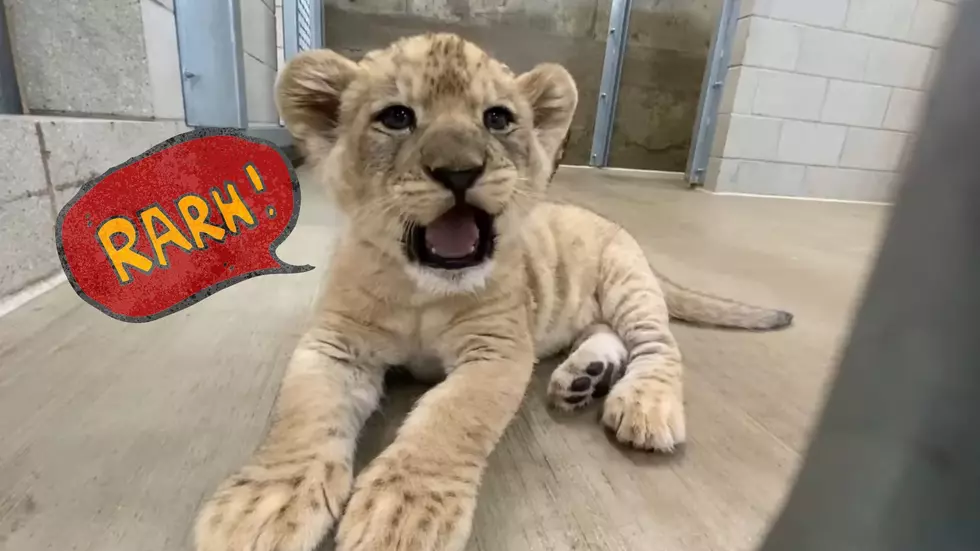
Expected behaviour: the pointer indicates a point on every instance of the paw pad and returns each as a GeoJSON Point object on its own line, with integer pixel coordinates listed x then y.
{"type": "Point", "coordinates": [573, 386]}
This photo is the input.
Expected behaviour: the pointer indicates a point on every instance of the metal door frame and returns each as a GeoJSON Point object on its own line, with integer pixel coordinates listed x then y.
{"type": "Point", "coordinates": [712, 86]}
{"type": "Point", "coordinates": [303, 29]}
{"type": "Point", "coordinates": [708, 103]}
{"type": "Point", "coordinates": [612, 67]}
{"type": "Point", "coordinates": [302, 26]}
{"type": "Point", "coordinates": [212, 69]}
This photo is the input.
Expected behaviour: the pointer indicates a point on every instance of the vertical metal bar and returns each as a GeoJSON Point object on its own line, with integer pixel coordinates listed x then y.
{"type": "Point", "coordinates": [10, 100]}
{"type": "Point", "coordinates": [290, 29]}
{"type": "Point", "coordinates": [612, 68]}
{"type": "Point", "coordinates": [302, 26]}
{"type": "Point", "coordinates": [894, 464]}
{"type": "Point", "coordinates": [711, 91]}
{"type": "Point", "coordinates": [209, 43]}
{"type": "Point", "coordinates": [318, 24]}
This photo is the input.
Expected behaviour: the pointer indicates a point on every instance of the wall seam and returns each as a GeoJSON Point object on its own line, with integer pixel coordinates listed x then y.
{"type": "Point", "coordinates": [815, 75]}
{"type": "Point", "coordinates": [845, 31]}
{"type": "Point", "coordinates": [45, 157]}
{"type": "Point", "coordinates": [805, 165]}
{"type": "Point", "coordinates": [815, 121]}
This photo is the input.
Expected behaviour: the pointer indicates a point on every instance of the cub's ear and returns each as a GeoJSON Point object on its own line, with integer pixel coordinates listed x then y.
{"type": "Point", "coordinates": [308, 94]}
{"type": "Point", "coordinates": [551, 91]}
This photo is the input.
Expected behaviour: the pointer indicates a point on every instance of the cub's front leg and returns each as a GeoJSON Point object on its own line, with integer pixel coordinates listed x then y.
{"type": "Point", "coordinates": [294, 489]}
{"type": "Point", "coordinates": [420, 493]}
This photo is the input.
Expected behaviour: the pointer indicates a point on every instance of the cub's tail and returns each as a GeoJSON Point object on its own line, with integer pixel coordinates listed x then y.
{"type": "Point", "coordinates": [703, 309]}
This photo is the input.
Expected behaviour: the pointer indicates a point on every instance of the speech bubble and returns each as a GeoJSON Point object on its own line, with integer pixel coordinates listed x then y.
{"type": "Point", "coordinates": [166, 229]}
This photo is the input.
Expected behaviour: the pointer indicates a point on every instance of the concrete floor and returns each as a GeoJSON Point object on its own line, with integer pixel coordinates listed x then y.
{"type": "Point", "coordinates": [111, 434]}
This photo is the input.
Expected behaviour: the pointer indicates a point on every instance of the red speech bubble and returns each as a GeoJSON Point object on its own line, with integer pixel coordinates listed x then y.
{"type": "Point", "coordinates": [191, 216]}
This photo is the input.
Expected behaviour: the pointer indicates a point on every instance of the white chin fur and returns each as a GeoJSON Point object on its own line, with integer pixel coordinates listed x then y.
{"type": "Point", "coordinates": [450, 282]}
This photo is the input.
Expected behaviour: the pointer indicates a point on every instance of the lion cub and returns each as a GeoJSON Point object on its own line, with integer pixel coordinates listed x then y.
{"type": "Point", "coordinates": [440, 155]}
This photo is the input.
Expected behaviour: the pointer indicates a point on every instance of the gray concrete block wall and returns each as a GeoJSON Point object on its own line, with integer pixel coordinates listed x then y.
{"type": "Point", "coordinates": [28, 255]}
{"type": "Point", "coordinates": [81, 57]}
{"type": "Point", "coordinates": [97, 58]}
{"type": "Point", "coordinates": [823, 99]}
{"type": "Point", "coordinates": [26, 249]}
{"type": "Point", "coordinates": [101, 80]}
{"type": "Point", "coordinates": [261, 59]}
{"type": "Point", "coordinates": [163, 62]}
{"type": "Point", "coordinates": [666, 56]}
{"type": "Point", "coordinates": [43, 162]}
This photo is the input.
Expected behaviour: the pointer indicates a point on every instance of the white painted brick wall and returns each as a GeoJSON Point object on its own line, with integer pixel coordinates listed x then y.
{"type": "Point", "coordinates": [771, 43]}
{"type": "Point", "coordinates": [832, 53]}
{"type": "Point", "coordinates": [789, 95]}
{"type": "Point", "coordinates": [930, 22]}
{"type": "Point", "coordinates": [872, 149]}
{"type": "Point", "coordinates": [810, 143]}
{"type": "Point", "coordinates": [749, 137]}
{"type": "Point", "coordinates": [887, 18]}
{"type": "Point", "coordinates": [822, 13]}
{"type": "Point", "coordinates": [898, 64]}
{"type": "Point", "coordinates": [823, 97]}
{"type": "Point", "coordinates": [904, 108]}
{"type": "Point", "coordinates": [855, 104]}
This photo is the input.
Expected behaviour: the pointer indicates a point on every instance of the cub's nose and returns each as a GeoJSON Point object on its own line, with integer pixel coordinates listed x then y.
{"type": "Point", "coordinates": [454, 179]}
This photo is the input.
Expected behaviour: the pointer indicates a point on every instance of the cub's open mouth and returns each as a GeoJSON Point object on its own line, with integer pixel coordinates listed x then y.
{"type": "Point", "coordinates": [462, 237]}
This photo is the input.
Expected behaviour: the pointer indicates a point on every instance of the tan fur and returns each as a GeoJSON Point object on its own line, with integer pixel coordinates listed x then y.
{"type": "Point", "coordinates": [560, 276]}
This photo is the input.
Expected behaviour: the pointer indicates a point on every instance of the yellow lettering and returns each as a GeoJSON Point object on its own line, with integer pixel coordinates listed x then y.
{"type": "Point", "coordinates": [171, 235]}
{"type": "Point", "coordinates": [197, 224]}
{"type": "Point", "coordinates": [125, 255]}
{"type": "Point", "coordinates": [234, 208]}
{"type": "Point", "coordinates": [253, 176]}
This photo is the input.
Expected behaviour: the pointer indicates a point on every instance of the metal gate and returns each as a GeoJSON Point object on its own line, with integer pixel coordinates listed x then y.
{"type": "Point", "coordinates": [210, 45]}
{"type": "Point", "coordinates": [209, 42]}
{"type": "Point", "coordinates": [711, 88]}
{"type": "Point", "coordinates": [302, 26]}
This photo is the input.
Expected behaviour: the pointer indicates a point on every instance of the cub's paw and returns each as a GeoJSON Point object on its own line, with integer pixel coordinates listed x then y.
{"type": "Point", "coordinates": [646, 413]}
{"type": "Point", "coordinates": [588, 372]}
{"type": "Point", "coordinates": [285, 507]}
{"type": "Point", "coordinates": [404, 509]}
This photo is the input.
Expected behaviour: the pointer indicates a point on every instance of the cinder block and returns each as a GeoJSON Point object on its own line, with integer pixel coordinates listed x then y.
{"type": "Point", "coordinates": [21, 167]}
{"type": "Point", "coordinates": [81, 149]}
{"type": "Point", "coordinates": [740, 42]}
{"type": "Point", "coordinates": [739, 90]}
{"type": "Point", "coordinates": [898, 64]}
{"type": "Point", "coordinates": [789, 95]}
{"type": "Point", "coordinates": [27, 250]}
{"type": "Point", "coordinates": [855, 104]}
{"type": "Point", "coordinates": [81, 57]}
{"type": "Point", "coordinates": [873, 149]}
{"type": "Point", "coordinates": [888, 18]}
{"type": "Point", "coordinates": [811, 143]}
{"type": "Point", "coordinates": [904, 110]}
{"type": "Point", "coordinates": [834, 53]}
{"type": "Point", "coordinates": [932, 22]}
{"type": "Point", "coordinates": [260, 82]}
{"type": "Point", "coordinates": [772, 44]}
{"type": "Point", "coordinates": [259, 31]}
{"type": "Point", "coordinates": [756, 177]}
{"type": "Point", "coordinates": [162, 60]}
{"type": "Point", "coordinates": [849, 184]}
{"type": "Point", "coordinates": [750, 137]}
{"type": "Point", "coordinates": [825, 13]}
{"type": "Point", "coordinates": [720, 174]}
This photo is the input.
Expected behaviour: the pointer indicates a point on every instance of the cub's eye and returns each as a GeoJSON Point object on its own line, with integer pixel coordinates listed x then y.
{"type": "Point", "coordinates": [396, 117]}
{"type": "Point", "coordinates": [497, 118]}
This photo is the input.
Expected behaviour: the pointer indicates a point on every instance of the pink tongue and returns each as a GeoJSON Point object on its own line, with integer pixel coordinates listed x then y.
{"type": "Point", "coordinates": [454, 234]}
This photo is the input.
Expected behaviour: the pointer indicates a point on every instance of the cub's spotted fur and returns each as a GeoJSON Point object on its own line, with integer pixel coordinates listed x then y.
{"type": "Point", "coordinates": [439, 156]}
